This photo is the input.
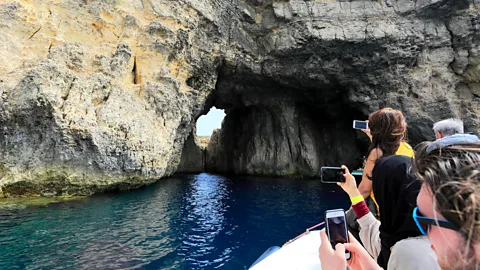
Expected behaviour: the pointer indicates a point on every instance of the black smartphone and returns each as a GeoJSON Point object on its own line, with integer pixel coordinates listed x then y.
{"type": "Point", "coordinates": [360, 124]}
{"type": "Point", "coordinates": [332, 174]}
{"type": "Point", "coordinates": [336, 228]}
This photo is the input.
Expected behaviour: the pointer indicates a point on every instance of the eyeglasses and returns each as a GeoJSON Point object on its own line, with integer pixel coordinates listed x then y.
{"type": "Point", "coordinates": [424, 223]}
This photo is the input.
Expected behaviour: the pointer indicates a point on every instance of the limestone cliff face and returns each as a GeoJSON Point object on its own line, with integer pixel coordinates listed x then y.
{"type": "Point", "coordinates": [101, 95]}
{"type": "Point", "coordinates": [333, 62]}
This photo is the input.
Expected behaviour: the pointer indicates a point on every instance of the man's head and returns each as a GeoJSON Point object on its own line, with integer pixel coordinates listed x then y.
{"type": "Point", "coordinates": [451, 191]}
{"type": "Point", "coordinates": [447, 127]}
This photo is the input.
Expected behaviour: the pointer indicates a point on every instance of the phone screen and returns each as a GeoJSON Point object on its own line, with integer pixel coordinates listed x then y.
{"type": "Point", "coordinates": [337, 228]}
{"type": "Point", "coordinates": [360, 124]}
{"type": "Point", "coordinates": [332, 174]}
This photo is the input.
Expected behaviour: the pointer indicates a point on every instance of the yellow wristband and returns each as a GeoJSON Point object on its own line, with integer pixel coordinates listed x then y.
{"type": "Point", "coordinates": [356, 199]}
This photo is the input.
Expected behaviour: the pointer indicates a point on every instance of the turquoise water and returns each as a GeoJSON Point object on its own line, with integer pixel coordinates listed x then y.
{"type": "Point", "coordinates": [184, 222]}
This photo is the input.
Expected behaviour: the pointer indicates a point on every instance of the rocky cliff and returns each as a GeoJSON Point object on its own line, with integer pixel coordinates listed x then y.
{"type": "Point", "coordinates": [99, 95]}
{"type": "Point", "coordinates": [102, 95]}
{"type": "Point", "coordinates": [193, 155]}
{"type": "Point", "coordinates": [313, 66]}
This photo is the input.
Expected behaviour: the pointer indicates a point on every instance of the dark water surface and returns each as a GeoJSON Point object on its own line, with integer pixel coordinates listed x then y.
{"type": "Point", "coordinates": [184, 222]}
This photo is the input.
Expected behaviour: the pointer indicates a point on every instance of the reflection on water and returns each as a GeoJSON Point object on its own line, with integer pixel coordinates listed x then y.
{"type": "Point", "coordinates": [206, 204]}
{"type": "Point", "coordinates": [185, 222]}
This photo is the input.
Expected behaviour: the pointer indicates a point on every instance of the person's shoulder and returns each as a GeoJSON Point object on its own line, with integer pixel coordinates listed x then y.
{"type": "Point", "coordinates": [375, 154]}
{"type": "Point", "coordinates": [413, 253]}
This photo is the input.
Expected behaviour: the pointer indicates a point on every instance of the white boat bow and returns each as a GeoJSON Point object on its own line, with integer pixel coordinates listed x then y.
{"type": "Point", "coordinates": [300, 254]}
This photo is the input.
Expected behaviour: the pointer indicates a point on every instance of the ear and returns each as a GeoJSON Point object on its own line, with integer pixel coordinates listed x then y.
{"type": "Point", "coordinates": [438, 135]}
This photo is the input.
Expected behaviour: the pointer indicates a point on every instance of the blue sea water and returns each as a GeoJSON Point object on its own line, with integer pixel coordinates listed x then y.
{"type": "Point", "coordinates": [199, 221]}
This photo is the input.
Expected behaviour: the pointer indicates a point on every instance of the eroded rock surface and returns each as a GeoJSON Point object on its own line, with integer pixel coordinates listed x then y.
{"type": "Point", "coordinates": [102, 95]}
{"type": "Point", "coordinates": [99, 95]}
{"type": "Point", "coordinates": [341, 61]}
{"type": "Point", "coordinates": [281, 140]}
{"type": "Point", "coordinates": [193, 156]}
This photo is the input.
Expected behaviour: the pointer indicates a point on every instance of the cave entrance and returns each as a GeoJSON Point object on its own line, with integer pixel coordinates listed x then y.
{"type": "Point", "coordinates": [278, 129]}
{"type": "Point", "coordinates": [206, 124]}
{"type": "Point", "coordinates": [287, 140]}
{"type": "Point", "coordinates": [194, 148]}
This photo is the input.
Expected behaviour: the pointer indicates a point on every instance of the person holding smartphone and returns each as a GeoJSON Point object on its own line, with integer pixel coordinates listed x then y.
{"type": "Point", "coordinates": [447, 210]}
{"type": "Point", "coordinates": [397, 243]}
{"type": "Point", "coordinates": [387, 131]}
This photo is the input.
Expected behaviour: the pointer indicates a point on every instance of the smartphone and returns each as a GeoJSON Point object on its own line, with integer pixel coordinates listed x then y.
{"type": "Point", "coordinates": [332, 175]}
{"type": "Point", "coordinates": [336, 228]}
{"type": "Point", "coordinates": [360, 124]}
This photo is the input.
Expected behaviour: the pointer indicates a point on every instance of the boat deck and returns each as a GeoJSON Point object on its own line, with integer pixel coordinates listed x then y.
{"type": "Point", "coordinates": [300, 254]}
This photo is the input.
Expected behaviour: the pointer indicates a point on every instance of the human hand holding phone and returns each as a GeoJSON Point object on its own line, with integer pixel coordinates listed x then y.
{"type": "Point", "coordinates": [336, 228]}
{"type": "Point", "coordinates": [367, 132]}
{"type": "Point", "coordinates": [360, 259]}
{"type": "Point", "coordinates": [333, 259]}
{"type": "Point", "coordinates": [350, 185]}
{"type": "Point", "coordinates": [363, 126]}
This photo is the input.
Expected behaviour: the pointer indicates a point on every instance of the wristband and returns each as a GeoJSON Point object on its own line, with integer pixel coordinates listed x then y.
{"type": "Point", "coordinates": [356, 199]}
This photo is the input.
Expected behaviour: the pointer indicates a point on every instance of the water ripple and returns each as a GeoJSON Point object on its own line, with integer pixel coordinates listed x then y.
{"type": "Point", "coordinates": [185, 222]}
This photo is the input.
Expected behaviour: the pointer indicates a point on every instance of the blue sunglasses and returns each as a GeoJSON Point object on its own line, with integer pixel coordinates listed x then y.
{"type": "Point", "coordinates": [424, 223]}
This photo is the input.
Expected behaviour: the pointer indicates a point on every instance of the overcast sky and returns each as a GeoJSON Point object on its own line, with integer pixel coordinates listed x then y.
{"type": "Point", "coordinates": [207, 123]}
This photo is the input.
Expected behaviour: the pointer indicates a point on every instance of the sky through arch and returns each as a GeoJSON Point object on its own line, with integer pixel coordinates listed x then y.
{"type": "Point", "coordinates": [207, 123]}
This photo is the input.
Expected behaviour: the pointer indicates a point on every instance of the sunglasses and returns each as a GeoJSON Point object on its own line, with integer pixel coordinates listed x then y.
{"type": "Point", "coordinates": [424, 223]}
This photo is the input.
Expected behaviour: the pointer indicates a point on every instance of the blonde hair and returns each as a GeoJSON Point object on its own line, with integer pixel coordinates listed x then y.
{"type": "Point", "coordinates": [452, 174]}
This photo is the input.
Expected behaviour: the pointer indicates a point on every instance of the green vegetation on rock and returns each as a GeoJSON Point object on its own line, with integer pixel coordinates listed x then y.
{"type": "Point", "coordinates": [22, 203]}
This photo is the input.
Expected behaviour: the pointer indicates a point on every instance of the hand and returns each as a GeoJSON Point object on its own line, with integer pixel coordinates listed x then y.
{"type": "Point", "coordinates": [359, 258]}
{"type": "Point", "coordinates": [335, 259]}
{"type": "Point", "coordinates": [329, 258]}
{"type": "Point", "coordinates": [367, 132]}
{"type": "Point", "coordinates": [350, 185]}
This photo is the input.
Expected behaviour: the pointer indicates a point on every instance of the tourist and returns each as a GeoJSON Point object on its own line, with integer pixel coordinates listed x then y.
{"type": "Point", "coordinates": [396, 244]}
{"type": "Point", "coordinates": [447, 127]}
{"type": "Point", "coordinates": [387, 132]}
{"type": "Point", "coordinates": [450, 131]}
{"type": "Point", "coordinates": [449, 196]}
{"type": "Point", "coordinates": [448, 210]}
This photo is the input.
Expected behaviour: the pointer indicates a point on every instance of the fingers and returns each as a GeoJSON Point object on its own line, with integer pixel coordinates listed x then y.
{"type": "Point", "coordinates": [325, 245]}
{"type": "Point", "coordinates": [353, 243]}
{"type": "Point", "coordinates": [347, 172]}
{"type": "Point", "coordinates": [323, 236]}
{"type": "Point", "coordinates": [340, 250]}
{"type": "Point", "coordinates": [354, 246]}
{"type": "Point", "coordinates": [352, 238]}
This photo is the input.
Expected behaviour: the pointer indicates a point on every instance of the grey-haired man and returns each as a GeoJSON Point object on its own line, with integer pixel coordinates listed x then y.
{"type": "Point", "coordinates": [450, 132]}
{"type": "Point", "coordinates": [447, 127]}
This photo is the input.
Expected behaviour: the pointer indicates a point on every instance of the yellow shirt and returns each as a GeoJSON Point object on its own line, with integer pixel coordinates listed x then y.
{"type": "Point", "coordinates": [405, 150]}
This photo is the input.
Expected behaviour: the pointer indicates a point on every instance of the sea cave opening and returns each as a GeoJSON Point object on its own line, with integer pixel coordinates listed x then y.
{"type": "Point", "coordinates": [274, 129]}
